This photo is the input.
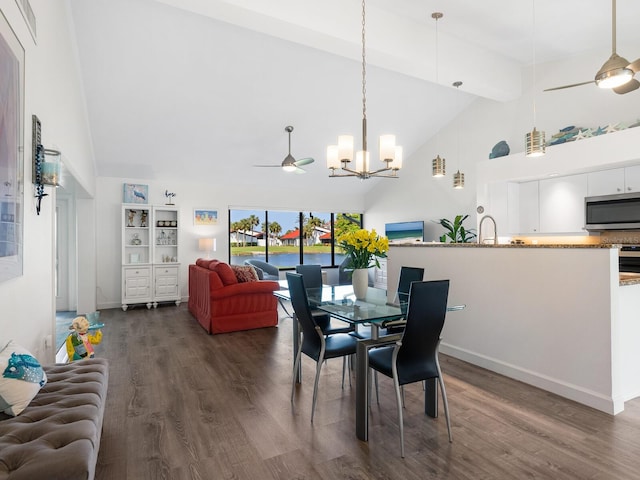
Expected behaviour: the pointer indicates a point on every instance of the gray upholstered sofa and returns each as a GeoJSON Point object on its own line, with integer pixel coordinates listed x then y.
{"type": "Point", "coordinates": [58, 435]}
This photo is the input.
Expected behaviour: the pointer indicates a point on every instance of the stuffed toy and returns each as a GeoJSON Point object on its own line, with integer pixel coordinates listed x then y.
{"type": "Point", "coordinates": [79, 342]}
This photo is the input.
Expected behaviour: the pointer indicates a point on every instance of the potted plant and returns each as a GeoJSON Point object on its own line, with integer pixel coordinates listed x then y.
{"type": "Point", "coordinates": [363, 248]}
{"type": "Point", "coordinates": [456, 232]}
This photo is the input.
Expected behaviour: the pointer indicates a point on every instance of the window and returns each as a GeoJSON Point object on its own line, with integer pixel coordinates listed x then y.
{"type": "Point", "coordinates": [286, 239]}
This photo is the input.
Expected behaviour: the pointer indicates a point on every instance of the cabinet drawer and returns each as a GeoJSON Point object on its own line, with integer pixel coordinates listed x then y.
{"type": "Point", "coordinates": [169, 271]}
{"type": "Point", "coordinates": [136, 272]}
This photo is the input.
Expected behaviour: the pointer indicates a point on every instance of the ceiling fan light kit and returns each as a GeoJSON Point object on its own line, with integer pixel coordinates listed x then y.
{"type": "Point", "coordinates": [341, 155]}
{"type": "Point", "coordinates": [290, 164]}
{"type": "Point", "coordinates": [617, 72]}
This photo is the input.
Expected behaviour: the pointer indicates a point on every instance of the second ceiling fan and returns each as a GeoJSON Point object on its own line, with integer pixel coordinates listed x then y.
{"type": "Point", "coordinates": [290, 164]}
{"type": "Point", "coordinates": [617, 72]}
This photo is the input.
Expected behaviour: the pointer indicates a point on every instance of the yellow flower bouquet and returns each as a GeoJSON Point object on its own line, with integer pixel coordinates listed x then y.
{"type": "Point", "coordinates": [363, 248]}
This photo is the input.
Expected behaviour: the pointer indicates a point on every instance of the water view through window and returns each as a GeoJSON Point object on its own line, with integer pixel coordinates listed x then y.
{"type": "Point", "coordinates": [286, 239]}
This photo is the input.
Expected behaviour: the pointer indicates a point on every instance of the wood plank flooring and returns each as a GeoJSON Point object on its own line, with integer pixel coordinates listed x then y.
{"type": "Point", "coordinates": [186, 405]}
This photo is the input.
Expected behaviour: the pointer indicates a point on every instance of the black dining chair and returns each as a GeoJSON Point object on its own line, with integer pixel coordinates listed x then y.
{"type": "Point", "coordinates": [312, 275]}
{"type": "Point", "coordinates": [315, 344]}
{"type": "Point", "coordinates": [408, 275]}
{"type": "Point", "coordinates": [415, 356]}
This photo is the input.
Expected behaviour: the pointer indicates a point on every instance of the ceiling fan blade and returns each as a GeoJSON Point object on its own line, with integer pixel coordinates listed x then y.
{"type": "Point", "coordinates": [635, 66]}
{"type": "Point", "coordinates": [569, 86]}
{"type": "Point", "coordinates": [303, 161]}
{"type": "Point", "coordinates": [630, 86]}
{"type": "Point", "coordinates": [300, 171]}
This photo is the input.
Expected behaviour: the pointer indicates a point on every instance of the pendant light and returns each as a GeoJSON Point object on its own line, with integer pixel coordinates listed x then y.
{"type": "Point", "coordinates": [340, 156]}
{"type": "Point", "coordinates": [535, 139]}
{"type": "Point", "coordinates": [458, 177]}
{"type": "Point", "coordinates": [438, 163]}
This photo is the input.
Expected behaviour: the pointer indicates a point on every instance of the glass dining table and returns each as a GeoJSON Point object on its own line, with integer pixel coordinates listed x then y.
{"type": "Point", "coordinates": [339, 301]}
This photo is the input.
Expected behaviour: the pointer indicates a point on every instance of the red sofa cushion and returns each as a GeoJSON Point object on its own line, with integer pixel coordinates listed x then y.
{"type": "Point", "coordinates": [225, 273]}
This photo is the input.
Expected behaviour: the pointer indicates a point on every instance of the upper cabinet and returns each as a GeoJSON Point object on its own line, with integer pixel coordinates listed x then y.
{"type": "Point", "coordinates": [605, 182]}
{"type": "Point", "coordinates": [562, 204]}
{"type": "Point", "coordinates": [632, 179]}
{"type": "Point", "coordinates": [614, 181]}
{"type": "Point", "coordinates": [528, 208]}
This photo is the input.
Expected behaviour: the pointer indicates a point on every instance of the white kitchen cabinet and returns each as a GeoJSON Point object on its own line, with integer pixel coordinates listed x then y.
{"type": "Point", "coordinates": [632, 179]}
{"type": "Point", "coordinates": [528, 208]}
{"type": "Point", "coordinates": [166, 284]}
{"type": "Point", "coordinates": [562, 204]}
{"type": "Point", "coordinates": [606, 182]}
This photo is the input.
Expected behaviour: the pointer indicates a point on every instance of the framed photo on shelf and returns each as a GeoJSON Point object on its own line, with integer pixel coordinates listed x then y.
{"type": "Point", "coordinates": [135, 193]}
{"type": "Point", "coordinates": [203, 216]}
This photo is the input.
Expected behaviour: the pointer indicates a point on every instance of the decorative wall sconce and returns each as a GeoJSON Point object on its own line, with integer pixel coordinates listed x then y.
{"type": "Point", "coordinates": [44, 172]}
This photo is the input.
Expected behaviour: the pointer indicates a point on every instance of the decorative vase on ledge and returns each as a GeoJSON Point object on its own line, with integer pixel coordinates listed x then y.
{"type": "Point", "coordinates": [360, 282]}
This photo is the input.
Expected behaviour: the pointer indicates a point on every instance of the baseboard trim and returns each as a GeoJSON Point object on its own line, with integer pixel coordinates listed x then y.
{"type": "Point", "coordinates": [573, 392]}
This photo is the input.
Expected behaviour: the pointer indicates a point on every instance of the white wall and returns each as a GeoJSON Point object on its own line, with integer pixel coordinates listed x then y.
{"type": "Point", "coordinates": [53, 93]}
{"type": "Point", "coordinates": [189, 195]}
{"type": "Point", "coordinates": [419, 196]}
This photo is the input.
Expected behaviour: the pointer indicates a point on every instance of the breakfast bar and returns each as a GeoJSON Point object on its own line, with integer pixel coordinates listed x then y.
{"type": "Point", "coordinates": [559, 317]}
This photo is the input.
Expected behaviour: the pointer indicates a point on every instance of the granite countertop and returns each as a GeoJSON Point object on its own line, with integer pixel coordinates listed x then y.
{"type": "Point", "coordinates": [503, 245]}
{"type": "Point", "coordinates": [629, 278]}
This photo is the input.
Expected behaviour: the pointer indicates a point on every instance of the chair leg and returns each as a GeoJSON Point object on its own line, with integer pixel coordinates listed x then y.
{"type": "Point", "coordinates": [400, 420]}
{"type": "Point", "coordinates": [295, 369]}
{"type": "Point", "coordinates": [375, 381]}
{"type": "Point", "coordinates": [444, 399]}
{"type": "Point", "coordinates": [315, 387]}
{"type": "Point", "coordinates": [344, 364]}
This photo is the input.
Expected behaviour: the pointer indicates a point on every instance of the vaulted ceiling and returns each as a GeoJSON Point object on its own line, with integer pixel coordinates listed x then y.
{"type": "Point", "coordinates": [204, 88]}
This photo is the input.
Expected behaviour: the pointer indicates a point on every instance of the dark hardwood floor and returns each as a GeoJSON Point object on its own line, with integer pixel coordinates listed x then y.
{"type": "Point", "coordinates": [186, 405]}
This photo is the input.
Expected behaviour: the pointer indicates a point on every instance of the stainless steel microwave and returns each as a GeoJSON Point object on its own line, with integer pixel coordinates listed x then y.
{"type": "Point", "coordinates": [613, 212]}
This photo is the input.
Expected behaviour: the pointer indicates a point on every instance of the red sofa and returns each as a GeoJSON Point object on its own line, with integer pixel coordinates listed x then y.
{"type": "Point", "coordinates": [222, 304]}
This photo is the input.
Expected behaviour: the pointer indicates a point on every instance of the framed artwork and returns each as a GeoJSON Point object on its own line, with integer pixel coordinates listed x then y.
{"type": "Point", "coordinates": [203, 216]}
{"type": "Point", "coordinates": [11, 152]}
{"type": "Point", "coordinates": [135, 193]}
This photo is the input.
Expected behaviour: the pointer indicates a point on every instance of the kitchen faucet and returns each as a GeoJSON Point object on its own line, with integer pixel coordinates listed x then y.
{"type": "Point", "coordinates": [495, 229]}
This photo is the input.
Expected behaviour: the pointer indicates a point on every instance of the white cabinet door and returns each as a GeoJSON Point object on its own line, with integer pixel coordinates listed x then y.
{"type": "Point", "coordinates": [606, 182]}
{"type": "Point", "coordinates": [632, 179]}
{"type": "Point", "coordinates": [529, 209]}
{"type": "Point", "coordinates": [562, 204]}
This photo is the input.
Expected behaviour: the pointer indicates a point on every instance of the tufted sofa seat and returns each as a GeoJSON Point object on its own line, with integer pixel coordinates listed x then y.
{"type": "Point", "coordinates": [58, 435]}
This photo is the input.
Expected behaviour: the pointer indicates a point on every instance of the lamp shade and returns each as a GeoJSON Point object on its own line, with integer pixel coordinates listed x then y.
{"type": "Point", "coordinates": [333, 161]}
{"type": "Point", "coordinates": [345, 148]}
{"type": "Point", "coordinates": [387, 147]}
{"type": "Point", "coordinates": [362, 161]}
{"type": "Point", "coordinates": [207, 244]}
{"type": "Point", "coordinates": [439, 166]}
{"type": "Point", "coordinates": [535, 143]}
{"type": "Point", "coordinates": [396, 163]}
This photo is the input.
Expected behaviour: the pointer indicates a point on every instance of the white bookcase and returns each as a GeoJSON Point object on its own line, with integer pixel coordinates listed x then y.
{"type": "Point", "coordinates": [150, 261]}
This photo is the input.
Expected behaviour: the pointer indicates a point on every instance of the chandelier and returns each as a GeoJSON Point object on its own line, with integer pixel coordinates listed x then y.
{"type": "Point", "coordinates": [340, 156]}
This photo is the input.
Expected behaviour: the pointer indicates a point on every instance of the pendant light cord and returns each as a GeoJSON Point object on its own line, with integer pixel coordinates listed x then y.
{"type": "Point", "coordinates": [364, 82]}
{"type": "Point", "coordinates": [533, 36]}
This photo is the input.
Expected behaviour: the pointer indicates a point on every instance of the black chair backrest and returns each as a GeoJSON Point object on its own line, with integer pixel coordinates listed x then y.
{"type": "Point", "coordinates": [312, 275]}
{"type": "Point", "coordinates": [311, 342]}
{"type": "Point", "coordinates": [407, 276]}
{"type": "Point", "coordinates": [425, 319]}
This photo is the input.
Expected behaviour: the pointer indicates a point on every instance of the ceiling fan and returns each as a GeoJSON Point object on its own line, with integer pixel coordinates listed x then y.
{"type": "Point", "coordinates": [616, 73]}
{"type": "Point", "coordinates": [290, 164]}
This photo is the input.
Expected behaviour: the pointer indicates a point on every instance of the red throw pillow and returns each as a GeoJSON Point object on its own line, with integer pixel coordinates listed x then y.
{"type": "Point", "coordinates": [225, 273]}
{"type": "Point", "coordinates": [204, 263]}
{"type": "Point", "coordinates": [245, 273]}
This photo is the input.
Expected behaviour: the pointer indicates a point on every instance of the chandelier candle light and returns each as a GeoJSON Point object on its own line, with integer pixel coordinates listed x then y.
{"type": "Point", "coordinates": [340, 156]}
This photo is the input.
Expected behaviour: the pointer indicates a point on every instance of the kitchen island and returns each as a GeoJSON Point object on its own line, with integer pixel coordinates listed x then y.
{"type": "Point", "coordinates": [554, 316]}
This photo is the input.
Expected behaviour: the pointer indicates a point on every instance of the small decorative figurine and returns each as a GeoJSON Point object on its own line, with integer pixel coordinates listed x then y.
{"type": "Point", "coordinates": [79, 342]}
{"type": "Point", "coordinates": [132, 214]}
{"type": "Point", "coordinates": [143, 218]}
{"type": "Point", "coordinates": [170, 196]}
